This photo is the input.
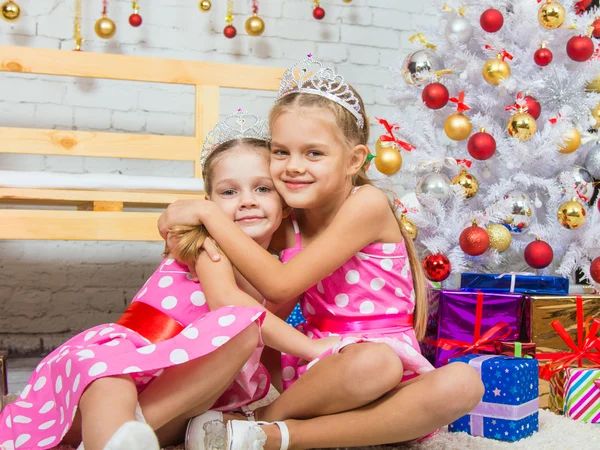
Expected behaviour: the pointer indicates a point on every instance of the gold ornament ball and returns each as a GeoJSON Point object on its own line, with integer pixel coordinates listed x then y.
{"type": "Point", "coordinates": [594, 85]}
{"type": "Point", "coordinates": [495, 70]}
{"type": "Point", "coordinates": [388, 159]}
{"type": "Point", "coordinates": [596, 116]}
{"type": "Point", "coordinates": [255, 25]}
{"type": "Point", "coordinates": [10, 11]}
{"type": "Point", "coordinates": [205, 5]}
{"type": "Point", "coordinates": [457, 127]}
{"type": "Point", "coordinates": [500, 237]}
{"type": "Point", "coordinates": [347, 1]}
{"type": "Point", "coordinates": [571, 140]}
{"type": "Point", "coordinates": [522, 125]}
{"type": "Point", "coordinates": [409, 227]}
{"type": "Point", "coordinates": [468, 182]}
{"type": "Point", "coordinates": [571, 214]}
{"type": "Point", "coordinates": [105, 28]}
{"type": "Point", "coordinates": [551, 15]}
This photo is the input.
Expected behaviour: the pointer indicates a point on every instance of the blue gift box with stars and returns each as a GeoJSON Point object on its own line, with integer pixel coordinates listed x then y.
{"type": "Point", "coordinates": [509, 408]}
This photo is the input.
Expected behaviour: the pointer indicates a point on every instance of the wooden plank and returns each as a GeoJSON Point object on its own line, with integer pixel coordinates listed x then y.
{"type": "Point", "coordinates": [88, 143]}
{"type": "Point", "coordinates": [207, 115]}
{"type": "Point", "coordinates": [101, 206]}
{"type": "Point", "coordinates": [78, 225]}
{"type": "Point", "coordinates": [137, 68]}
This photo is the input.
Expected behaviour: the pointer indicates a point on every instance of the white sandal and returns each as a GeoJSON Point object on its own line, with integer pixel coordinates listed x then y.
{"type": "Point", "coordinates": [207, 431]}
{"type": "Point", "coordinates": [242, 435]}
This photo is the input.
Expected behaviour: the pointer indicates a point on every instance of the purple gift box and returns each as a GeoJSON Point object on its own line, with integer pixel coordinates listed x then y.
{"type": "Point", "coordinates": [452, 319]}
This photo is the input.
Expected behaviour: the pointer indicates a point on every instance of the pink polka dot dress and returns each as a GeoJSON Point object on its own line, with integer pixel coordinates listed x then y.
{"type": "Point", "coordinates": [44, 412]}
{"type": "Point", "coordinates": [370, 298]}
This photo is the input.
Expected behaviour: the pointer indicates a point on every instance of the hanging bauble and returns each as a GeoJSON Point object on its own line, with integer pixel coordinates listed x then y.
{"type": "Point", "coordinates": [458, 126]}
{"type": "Point", "coordinates": [595, 270]}
{"type": "Point", "coordinates": [571, 140]}
{"type": "Point", "coordinates": [205, 5]}
{"type": "Point", "coordinates": [388, 159]}
{"type": "Point", "coordinates": [522, 125]}
{"type": "Point", "coordinates": [582, 5]}
{"type": "Point", "coordinates": [533, 106]}
{"type": "Point", "coordinates": [435, 184]}
{"type": "Point", "coordinates": [491, 20]}
{"type": "Point", "coordinates": [596, 116]}
{"type": "Point", "coordinates": [435, 95]}
{"type": "Point", "coordinates": [520, 211]}
{"type": "Point", "coordinates": [474, 240]}
{"type": "Point", "coordinates": [551, 15]}
{"type": "Point", "coordinates": [571, 214]}
{"type": "Point", "coordinates": [481, 145]}
{"type": "Point", "coordinates": [318, 13]}
{"type": "Point", "coordinates": [437, 267]}
{"type": "Point", "coordinates": [596, 26]}
{"type": "Point", "coordinates": [468, 182]}
{"type": "Point", "coordinates": [538, 254]}
{"type": "Point", "coordinates": [495, 70]}
{"type": "Point", "coordinates": [10, 11]}
{"type": "Point", "coordinates": [543, 56]}
{"type": "Point", "coordinates": [229, 31]}
{"type": "Point", "coordinates": [105, 28]}
{"type": "Point", "coordinates": [500, 237]}
{"type": "Point", "coordinates": [579, 179]}
{"type": "Point", "coordinates": [255, 25]}
{"type": "Point", "coordinates": [135, 20]}
{"type": "Point", "coordinates": [347, 1]}
{"type": "Point", "coordinates": [419, 65]}
{"type": "Point", "coordinates": [409, 227]}
{"type": "Point", "coordinates": [594, 85]}
{"type": "Point", "coordinates": [580, 48]}
{"type": "Point", "coordinates": [460, 29]}
{"type": "Point", "coordinates": [592, 162]}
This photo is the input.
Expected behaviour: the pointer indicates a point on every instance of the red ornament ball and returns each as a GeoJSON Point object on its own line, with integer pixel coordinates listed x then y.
{"type": "Point", "coordinates": [542, 57]}
{"type": "Point", "coordinates": [474, 241]}
{"type": "Point", "coordinates": [582, 5]}
{"type": "Point", "coordinates": [437, 267]}
{"type": "Point", "coordinates": [538, 254]}
{"type": "Point", "coordinates": [595, 270]}
{"type": "Point", "coordinates": [318, 13]}
{"type": "Point", "coordinates": [135, 20]}
{"type": "Point", "coordinates": [533, 106]}
{"type": "Point", "coordinates": [596, 25]}
{"type": "Point", "coordinates": [491, 20]}
{"type": "Point", "coordinates": [435, 95]}
{"type": "Point", "coordinates": [481, 146]}
{"type": "Point", "coordinates": [580, 48]}
{"type": "Point", "coordinates": [229, 31]}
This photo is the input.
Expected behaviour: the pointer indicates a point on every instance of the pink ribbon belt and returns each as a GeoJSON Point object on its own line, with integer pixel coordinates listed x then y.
{"type": "Point", "coordinates": [346, 325]}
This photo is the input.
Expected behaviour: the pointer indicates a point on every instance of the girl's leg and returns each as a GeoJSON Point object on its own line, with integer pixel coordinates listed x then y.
{"type": "Point", "coordinates": [417, 409]}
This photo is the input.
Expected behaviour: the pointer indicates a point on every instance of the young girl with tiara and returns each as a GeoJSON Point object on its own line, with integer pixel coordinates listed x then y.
{"type": "Point", "coordinates": [177, 350]}
{"type": "Point", "coordinates": [359, 277]}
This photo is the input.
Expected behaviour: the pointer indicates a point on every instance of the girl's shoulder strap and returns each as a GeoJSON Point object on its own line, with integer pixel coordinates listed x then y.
{"type": "Point", "coordinates": [296, 229]}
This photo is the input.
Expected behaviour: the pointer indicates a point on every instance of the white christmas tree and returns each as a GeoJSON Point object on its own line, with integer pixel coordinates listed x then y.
{"type": "Point", "coordinates": [529, 82]}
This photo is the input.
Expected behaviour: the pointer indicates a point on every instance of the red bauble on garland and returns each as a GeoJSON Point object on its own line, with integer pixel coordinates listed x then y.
{"type": "Point", "coordinates": [595, 270]}
{"type": "Point", "coordinates": [318, 13]}
{"type": "Point", "coordinates": [482, 145]}
{"type": "Point", "coordinates": [580, 48]}
{"type": "Point", "coordinates": [596, 26]}
{"type": "Point", "coordinates": [435, 95]}
{"type": "Point", "coordinates": [542, 56]}
{"type": "Point", "coordinates": [229, 31]}
{"type": "Point", "coordinates": [533, 106]}
{"type": "Point", "coordinates": [135, 20]}
{"type": "Point", "coordinates": [437, 267]}
{"type": "Point", "coordinates": [491, 20]}
{"type": "Point", "coordinates": [538, 254]}
{"type": "Point", "coordinates": [474, 241]}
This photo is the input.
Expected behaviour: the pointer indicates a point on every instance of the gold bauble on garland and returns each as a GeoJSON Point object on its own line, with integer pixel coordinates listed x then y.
{"type": "Point", "coordinates": [105, 28]}
{"type": "Point", "coordinates": [10, 11]}
{"type": "Point", "coordinates": [594, 85]}
{"type": "Point", "coordinates": [388, 159]}
{"type": "Point", "coordinates": [495, 70]}
{"type": "Point", "coordinates": [255, 25]}
{"type": "Point", "coordinates": [500, 237]}
{"type": "Point", "coordinates": [571, 140]}
{"type": "Point", "coordinates": [468, 182]}
{"type": "Point", "coordinates": [457, 127]}
{"type": "Point", "coordinates": [522, 125]}
{"type": "Point", "coordinates": [205, 5]}
{"type": "Point", "coordinates": [551, 15]}
{"type": "Point", "coordinates": [571, 214]}
{"type": "Point", "coordinates": [409, 227]}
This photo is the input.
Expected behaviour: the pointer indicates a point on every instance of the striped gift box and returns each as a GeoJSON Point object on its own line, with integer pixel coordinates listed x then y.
{"type": "Point", "coordinates": [556, 400]}
{"type": "Point", "coordinates": [582, 394]}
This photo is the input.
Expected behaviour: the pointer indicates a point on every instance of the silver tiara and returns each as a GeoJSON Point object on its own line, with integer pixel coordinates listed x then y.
{"type": "Point", "coordinates": [310, 77]}
{"type": "Point", "coordinates": [238, 125]}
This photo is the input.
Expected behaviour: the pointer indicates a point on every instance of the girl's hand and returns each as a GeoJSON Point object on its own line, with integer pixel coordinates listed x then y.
{"type": "Point", "coordinates": [320, 346]}
{"type": "Point", "coordinates": [210, 247]}
{"type": "Point", "coordinates": [182, 213]}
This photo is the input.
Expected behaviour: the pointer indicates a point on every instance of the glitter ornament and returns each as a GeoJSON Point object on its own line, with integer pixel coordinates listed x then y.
{"type": "Point", "coordinates": [538, 254]}
{"type": "Point", "coordinates": [571, 214]}
{"type": "Point", "coordinates": [500, 237]}
{"type": "Point", "coordinates": [474, 240]}
{"type": "Point", "coordinates": [437, 267]}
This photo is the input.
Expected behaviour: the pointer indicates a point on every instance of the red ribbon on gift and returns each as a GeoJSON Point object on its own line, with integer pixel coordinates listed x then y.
{"type": "Point", "coordinates": [460, 106]}
{"type": "Point", "coordinates": [480, 342]}
{"type": "Point", "coordinates": [391, 138]}
{"type": "Point", "coordinates": [588, 344]}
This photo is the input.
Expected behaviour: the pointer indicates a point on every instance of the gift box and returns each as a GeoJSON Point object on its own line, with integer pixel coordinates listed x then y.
{"type": "Point", "coordinates": [582, 394]}
{"type": "Point", "coordinates": [516, 349]}
{"type": "Point", "coordinates": [556, 397]}
{"type": "Point", "coordinates": [3, 378]}
{"type": "Point", "coordinates": [524, 283]}
{"type": "Point", "coordinates": [509, 408]}
{"type": "Point", "coordinates": [469, 322]}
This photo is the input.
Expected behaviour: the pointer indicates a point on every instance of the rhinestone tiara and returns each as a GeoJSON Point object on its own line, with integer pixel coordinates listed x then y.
{"type": "Point", "coordinates": [238, 125]}
{"type": "Point", "coordinates": [308, 76]}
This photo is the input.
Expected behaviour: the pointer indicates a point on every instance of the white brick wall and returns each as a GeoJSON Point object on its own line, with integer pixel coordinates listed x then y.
{"type": "Point", "coordinates": [51, 290]}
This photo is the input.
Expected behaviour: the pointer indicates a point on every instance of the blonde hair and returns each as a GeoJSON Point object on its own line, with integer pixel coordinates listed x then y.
{"type": "Point", "coordinates": [353, 135]}
{"type": "Point", "coordinates": [191, 238]}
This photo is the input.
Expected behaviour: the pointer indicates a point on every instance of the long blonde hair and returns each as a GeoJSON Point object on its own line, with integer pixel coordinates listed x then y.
{"type": "Point", "coordinates": [353, 135]}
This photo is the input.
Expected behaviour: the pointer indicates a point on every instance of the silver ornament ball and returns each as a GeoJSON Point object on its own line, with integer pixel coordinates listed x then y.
{"type": "Point", "coordinates": [435, 184]}
{"type": "Point", "coordinates": [419, 66]}
{"type": "Point", "coordinates": [521, 211]}
{"type": "Point", "coordinates": [592, 162]}
{"type": "Point", "coordinates": [460, 29]}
